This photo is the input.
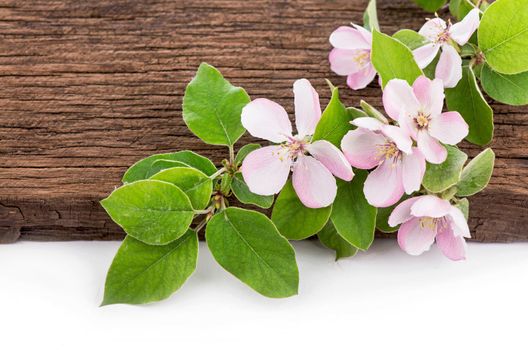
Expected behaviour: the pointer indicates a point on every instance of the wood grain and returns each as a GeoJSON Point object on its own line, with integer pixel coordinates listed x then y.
{"type": "Point", "coordinates": [89, 87]}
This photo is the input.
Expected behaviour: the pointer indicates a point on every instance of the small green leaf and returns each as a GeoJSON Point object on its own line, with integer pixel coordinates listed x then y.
{"type": "Point", "coordinates": [244, 151]}
{"type": "Point", "coordinates": [196, 185]}
{"type": "Point", "coordinates": [293, 219]}
{"type": "Point", "coordinates": [467, 99]}
{"type": "Point", "coordinates": [439, 177]}
{"type": "Point", "coordinates": [370, 16]}
{"type": "Point", "coordinates": [373, 112]}
{"type": "Point", "coordinates": [244, 195]}
{"type": "Point", "coordinates": [463, 205]}
{"type": "Point", "coordinates": [401, 64]}
{"type": "Point", "coordinates": [509, 89]}
{"type": "Point", "coordinates": [155, 212]}
{"type": "Point", "coordinates": [352, 216]}
{"type": "Point", "coordinates": [248, 245]}
{"type": "Point", "coordinates": [382, 219]}
{"type": "Point", "coordinates": [334, 122]}
{"type": "Point", "coordinates": [430, 5]}
{"type": "Point", "coordinates": [355, 113]}
{"type": "Point", "coordinates": [329, 237]}
{"type": "Point", "coordinates": [410, 38]}
{"type": "Point", "coordinates": [459, 8]}
{"type": "Point", "coordinates": [212, 107]}
{"type": "Point", "coordinates": [476, 174]}
{"type": "Point", "coordinates": [503, 36]}
{"type": "Point", "coordinates": [142, 273]}
{"type": "Point", "coordinates": [142, 170]}
{"type": "Point", "coordinates": [162, 164]}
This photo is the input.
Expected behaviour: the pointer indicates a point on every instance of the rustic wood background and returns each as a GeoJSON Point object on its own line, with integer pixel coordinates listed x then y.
{"type": "Point", "coordinates": [89, 87]}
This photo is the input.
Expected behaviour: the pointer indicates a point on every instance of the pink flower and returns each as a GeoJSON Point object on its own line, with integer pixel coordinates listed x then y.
{"type": "Point", "coordinates": [440, 33]}
{"type": "Point", "coordinates": [426, 218]}
{"type": "Point", "coordinates": [266, 170]}
{"type": "Point", "coordinates": [418, 110]}
{"type": "Point", "coordinates": [399, 166]}
{"type": "Point", "coordinates": [351, 55]}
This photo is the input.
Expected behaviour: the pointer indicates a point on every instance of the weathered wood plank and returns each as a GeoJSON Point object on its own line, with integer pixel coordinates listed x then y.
{"type": "Point", "coordinates": [88, 88]}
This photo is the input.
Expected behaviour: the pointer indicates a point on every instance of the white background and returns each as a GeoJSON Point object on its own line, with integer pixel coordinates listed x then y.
{"type": "Point", "coordinates": [50, 292]}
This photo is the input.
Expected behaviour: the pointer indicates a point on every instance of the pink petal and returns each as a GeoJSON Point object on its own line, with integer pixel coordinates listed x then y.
{"type": "Point", "coordinates": [463, 30]}
{"type": "Point", "coordinates": [425, 54]}
{"type": "Point", "coordinates": [362, 78]}
{"type": "Point", "coordinates": [383, 186]}
{"type": "Point", "coordinates": [364, 33]}
{"type": "Point", "coordinates": [430, 206]}
{"type": "Point", "coordinates": [399, 99]}
{"type": "Point", "coordinates": [430, 94]}
{"type": "Point", "coordinates": [433, 151]}
{"type": "Point", "coordinates": [307, 107]}
{"type": "Point", "coordinates": [449, 67]}
{"type": "Point", "coordinates": [415, 238]}
{"type": "Point", "coordinates": [267, 120]}
{"type": "Point", "coordinates": [266, 170]}
{"type": "Point", "coordinates": [360, 147]}
{"type": "Point", "coordinates": [313, 182]}
{"type": "Point", "coordinates": [345, 62]}
{"type": "Point", "coordinates": [332, 159]}
{"type": "Point", "coordinates": [449, 128]}
{"type": "Point", "coordinates": [433, 28]}
{"type": "Point", "coordinates": [369, 123]}
{"type": "Point", "coordinates": [399, 136]}
{"type": "Point", "coordinates": [348, 38]}
{"type": "Point", "coordinates": [454, 247]}
{"type": "Point", "coordinates": [402, 212]}
{"type": "Point", "coordinates": [413, 170]}
{"type": "Point", "coordinates": [459, 222]}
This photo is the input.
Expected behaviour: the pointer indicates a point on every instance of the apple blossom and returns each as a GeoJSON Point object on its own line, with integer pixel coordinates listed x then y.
{"type": "Point", "coordinates": [427, 218]}
{"type": "Point", "coordinates": [314, 164]}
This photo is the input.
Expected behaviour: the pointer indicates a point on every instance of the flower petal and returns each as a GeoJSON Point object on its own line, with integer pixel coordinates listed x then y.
{"type": "Point", "coordinates": [433, 151]}
{"type": "Point", "coordinates": [364, 33]}
{"type": "Point", "coordinates": [449, 67]}
{"type": "Point", "coordinates": [402, 212]}
{"type": "Point", "coordinates": [398, 99]}
{"type": "Point", "coordinates": [433, 28]}
{"type": "Point", "coordinates": [345, 62]}
{"type": "Point", "coordinates": [360, 147]}
{"type": "Point", "coordinates": [449, 128]}
{"type": "Point", "coordinates": [430, 206]}
{"type": "Point", "coordinates": [332, 158]}
{"type": "Point", "coordinates": [399, 136]}
{"type": "Point", "coordinates": [348, 38]}
{"type": "Point", "coordinates": [307, 107]}
{"type": "Point", "coordinates": [463, 30]}
{"type": "Point", "coordinates": [267, 120]}
{"type": "Point", "coordinates": [425, 54]}
{"type": "Point", "coordinates": [383, 186]}
{"type": "Point", "coordinates": [415, 238]}
{"type": "Point", "coordinates": [430, 94]}
{"type": "Point", "coordinates": [459, 222]}
{"type": "Point", "coordinates": [313, 182]}
{"type": "Point", "coordinates": [266, 170]}
{"type": "Point", "coordinates": [360, 79]}
{"type": "Point", "coordinates": [413, 170]}
{"type": "Point", "coordinates": [369, 123]}
{"type": "Point", "coordinates": [454, 247]}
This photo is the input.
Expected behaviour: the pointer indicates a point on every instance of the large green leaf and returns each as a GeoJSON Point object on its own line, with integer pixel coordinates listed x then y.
{"type": "Point", "coordinates": [196, 185]}
{"type": "Point", "coordinates": [334, 122]}
{"type": "Point", "coordinates": [248, 245]}
{"type": "Point", "coordinates": [476, 174]}
{"type": "Point", "coordinates": [430, 5]}
{"type": "Point", "coordinates": [439, 177]}
{"type": "Point", "coordinates": [244, 195]}
{"type": "Point", "coordinates": [410, 38]}
{"type": "Point", "coordinates": [510, 89]}
{"type": "Point", "coordinates": [503, 36]}
{"type": "Point", "coordinates": [293, 219]}
{"type": "Point", "coordinates": [329, 237]}
{"type": "Point", "coordinates": [370, 16]}
{"type": "Point", "coordinates": [352, 216]}
{"type": "Point", "coordinates": [212, 107]}
{"type": "Point", "coordinates": [467, 99]}
{"type": "Point", "coordinates": [155, 212]}
{"type": "Point", "coordinates": [162, 164]}
{"type": "Point", "coordinates": [142, 170]}
{"type": "Point", "coordinates": [401, 64]}
{"type": "Point", "coordinates": [142, 273]}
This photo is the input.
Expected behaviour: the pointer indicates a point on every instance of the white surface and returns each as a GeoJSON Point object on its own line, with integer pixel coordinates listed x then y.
{"type": "Point", "coordinates": [50, 292]}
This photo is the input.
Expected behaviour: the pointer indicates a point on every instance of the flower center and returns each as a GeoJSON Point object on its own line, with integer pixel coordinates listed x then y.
{"type": "Point", "coordinates": [388, 151]}
{"type": "Point", "coordinates": [422, 120]}
{"type": "Point", "coordinates": [362, 58]}
{"type": "Point", "coordinates": [293, 148]}
{"type": "Point", "coordinates": [433, 223]}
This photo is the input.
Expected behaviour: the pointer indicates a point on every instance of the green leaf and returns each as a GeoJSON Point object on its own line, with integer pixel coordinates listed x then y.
{"type": "Point", "coordinates": [155, 212]}
{"type": "Point", "coordinates": [196, 185]}
{"type": "Point", "coordinates": [503, 36]}
{"type": "Point", "coordinates": [463, 205]}
{"type": "Point", "coordinates": [162, 164]}
{"type": "Point", "coordinates": [439, 177]}
{"type": "Point", "coordinates": [244, 151]}
{"type": "Point", "coordinates": [410, 38]}
{"type": "Point", "coordinates": [244, 195]}
{"type": "Point", "coordinates": [382, 219]}
{"type": "Point", "coordinates": [401, 64]}
{"type": "Point", "coordinates": [467, 99]}
{"type": "Point", "coordinates": [329, 237]}
{"type": "Point", "coordinates": [370, 16]}
{"type": "Point", "coordinates": [476, 174]}
{"type": "Point", "coordinates": [430, 5]}
{"type": "Point", "coordinates": [142, 273]}
{"type": "Point", "coordinates": [293, 219]}
{"type": "Point", "coordinates": [459, 8]}
{"type": "Point", "coordinates": [212, 107]}
{"type": "Point", "coordinates": [355, 113]}
{"type": "Point", "coordinates": [142, 170]}
{"type": "Point", "coordinates": [372, 112]}
{"type": "Point", "coordinates": [248, 245]}
{"type": "Point", "coordinates": [509, 89]}
{"type": "Point", "coordinates": [352, 216]}
{"type": "Point", "coordinates": [334, 122]}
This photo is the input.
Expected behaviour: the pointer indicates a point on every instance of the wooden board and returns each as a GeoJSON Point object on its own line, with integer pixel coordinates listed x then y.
{"type": "Point", "coordinates": [89, 87]}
